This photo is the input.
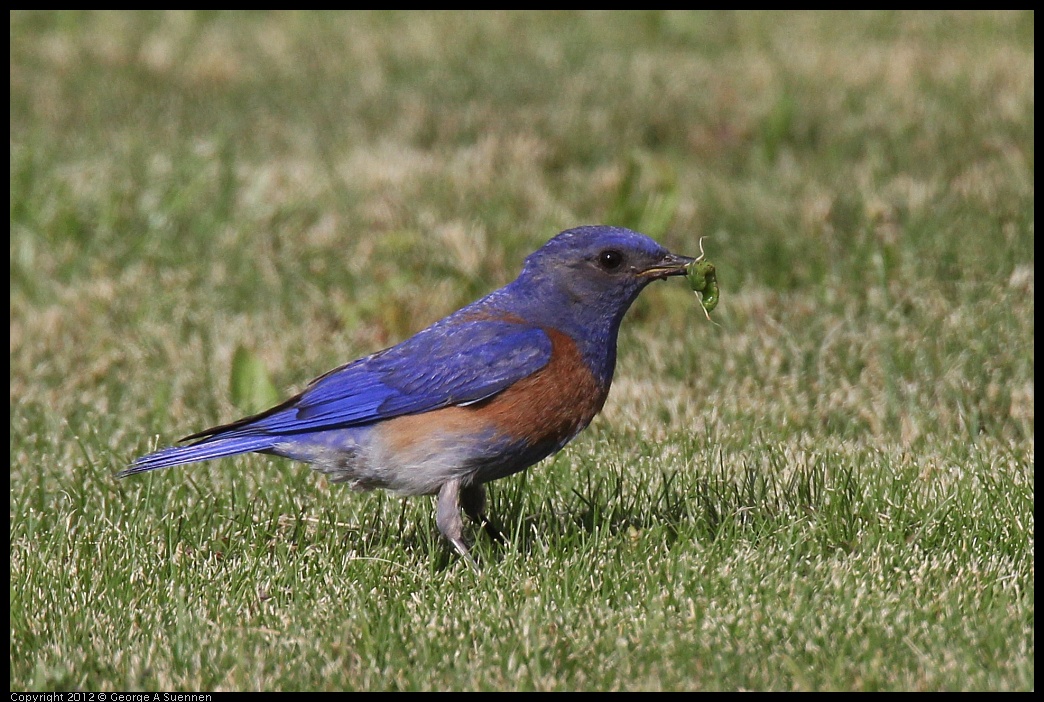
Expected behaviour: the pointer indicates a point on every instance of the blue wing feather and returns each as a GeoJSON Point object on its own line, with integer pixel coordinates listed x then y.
{"type": "Point", "coordinates": [431, 370]}
{"type": "Point", "coordinates": [455, 362]}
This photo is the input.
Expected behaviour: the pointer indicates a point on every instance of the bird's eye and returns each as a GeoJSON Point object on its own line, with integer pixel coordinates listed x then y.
{"type": "Point", "coordinates": [610, 259]}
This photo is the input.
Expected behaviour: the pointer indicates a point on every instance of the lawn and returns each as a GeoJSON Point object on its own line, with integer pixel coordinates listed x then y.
{"type": "Point", "coordinates": [830, 487]}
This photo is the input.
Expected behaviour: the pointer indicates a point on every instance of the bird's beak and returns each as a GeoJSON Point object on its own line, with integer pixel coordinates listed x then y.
{"type": "Point", "coordinates": [671, 264]}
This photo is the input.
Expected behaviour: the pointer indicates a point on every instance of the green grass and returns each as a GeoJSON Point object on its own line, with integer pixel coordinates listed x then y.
{"type": "Point", "coordinates": [832, 488]}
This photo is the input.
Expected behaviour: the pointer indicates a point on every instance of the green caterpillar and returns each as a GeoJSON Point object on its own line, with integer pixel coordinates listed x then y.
{"type": "Point", "coordinates": [704, 280]}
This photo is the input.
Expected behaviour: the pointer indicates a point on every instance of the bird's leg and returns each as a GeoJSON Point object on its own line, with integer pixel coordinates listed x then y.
{"type": "Point", "coordinates": [447, 517]}
{"type": "Point", "coordinates": [473, 499]}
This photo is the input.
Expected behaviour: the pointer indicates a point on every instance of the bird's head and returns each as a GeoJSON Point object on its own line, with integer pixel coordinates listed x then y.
{"type": "Point", "coordinates": [601, 268]}
{"type": "Point", "coordinates": [582, 282]}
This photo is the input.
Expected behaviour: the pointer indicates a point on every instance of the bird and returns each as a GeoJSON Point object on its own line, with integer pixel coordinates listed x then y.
{"type": "Point", "coordinates": [479, 395]}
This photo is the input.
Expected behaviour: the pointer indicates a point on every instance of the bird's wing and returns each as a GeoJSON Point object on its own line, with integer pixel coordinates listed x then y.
{"type": "Point", "coordinates": [455, 363]}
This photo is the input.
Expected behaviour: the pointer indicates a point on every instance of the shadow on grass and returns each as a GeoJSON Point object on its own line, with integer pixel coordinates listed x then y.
{"type": "Point", "coordinates": [706, 505]}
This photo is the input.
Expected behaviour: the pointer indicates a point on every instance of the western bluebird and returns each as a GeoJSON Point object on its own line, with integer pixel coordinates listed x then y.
{"type": "Point", "coordinates": [482, 394]}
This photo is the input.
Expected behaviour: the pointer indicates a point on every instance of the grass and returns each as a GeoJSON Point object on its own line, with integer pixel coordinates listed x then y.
{"type": "Point", "coordinates": [830, 489]}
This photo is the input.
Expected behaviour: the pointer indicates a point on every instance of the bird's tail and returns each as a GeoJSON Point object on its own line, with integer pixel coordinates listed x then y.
{"type": "Point", "coordinates": [205, 450]}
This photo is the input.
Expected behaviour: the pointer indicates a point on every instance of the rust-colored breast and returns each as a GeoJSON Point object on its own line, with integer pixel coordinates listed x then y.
{"type": "Point", "coordinates": [543, 410]}
{"type": "Point", "coordinates": [551, 405]}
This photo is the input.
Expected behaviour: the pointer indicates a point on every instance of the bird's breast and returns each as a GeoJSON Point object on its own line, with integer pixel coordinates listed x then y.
{"type": "Point", "coordinates": [551, 405]}
{"type": "Point", "coordinates": [499, 436]}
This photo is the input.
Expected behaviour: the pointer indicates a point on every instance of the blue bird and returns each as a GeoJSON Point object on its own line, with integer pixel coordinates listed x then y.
{"type": "Point", "coordinates": [481, 394]}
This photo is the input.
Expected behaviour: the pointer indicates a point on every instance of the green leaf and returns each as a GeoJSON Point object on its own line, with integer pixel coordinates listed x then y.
{"type": "Point", "coordinates": [251, 387]}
